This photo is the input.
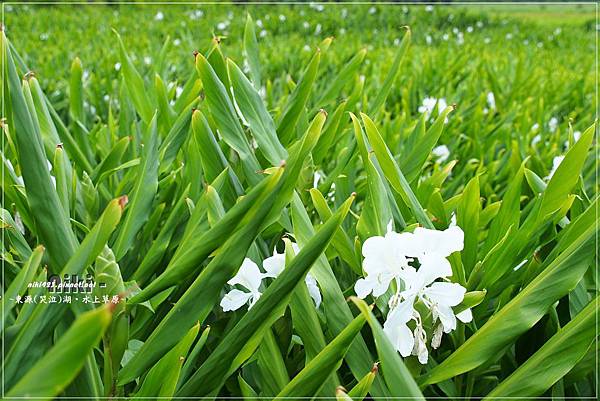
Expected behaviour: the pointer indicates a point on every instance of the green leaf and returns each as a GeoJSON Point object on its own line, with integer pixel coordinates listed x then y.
{"type": "Point", "coordinates": [52, 225]}
{"type": "Point", "coordinates": [162, 379]}
{"type": "Point", "coordinates": [413, 163]}
{"type": "Point", "coordinates": [553, 360]}
{"type": "Point", "coordinates": [65, 359]}
{"type": "Point", "coordinates": [251, 52]}
{"type": "Point", "coordinates": [296, 103]}
{"type": "Point", "coordinates": [224, 114]}
{"type": "Point", "coordinates": [391, 77]}
{"type": "Point", "coordinates": [310, 379]}
{"type": "Point", "coordinates": [143, 194]}
{"type": "Point", "coordinates": [392, 172]}
{"type": "Point", "coordinates": [342, 78]}
{"type": "Point", "coordinates": [566, 175]}
{"type": "Point", "coordinates": [255, 113]}
{"type": "Point", "coordinates": [135, 84]}
{"type": "Point", "coordinates": [19, 284]}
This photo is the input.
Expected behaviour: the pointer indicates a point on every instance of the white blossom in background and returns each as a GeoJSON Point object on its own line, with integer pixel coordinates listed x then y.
{"type": "Point", "coordinates": [429, 9]}
{"type": "Point", "coordinates": [159, 16]}
{"type": "Point", "coordinates": [263, 33]}
{"type": "Point", "coordinates": [536, 139]}
{"type": "Point", "coordinates": [576, 136]}
{"type": "Point", "coordinates": [428, 39]}
{"type": "Point", "coordinates": [390, 259]}
{"type": "Point", "coordinates": [177, 42]}
{"type": "Point", "coordinates": [372, 10]}
{"type": "Point", "coordinates": [281, 17]}
{"type": "Point", "coordinates": [147, 60]}
{"type": "Point", "coordinates": [117, 66]}
{"type": "Point", "coordinates": [553, 124]}
{"type": "Point", "coordinates": [441, 153]}
{"type": "Point", "coordinates": [491, 100]}
{"type": "Point", "coordinates": [555, 163]}
{"type": "Point", "coordinates": [428, 106]}
{"type": "Point", "coordinates": [306, 25]}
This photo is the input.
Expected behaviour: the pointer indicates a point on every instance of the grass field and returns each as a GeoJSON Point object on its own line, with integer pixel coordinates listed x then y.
{"type": "Point", "coordinates": [336, 201]}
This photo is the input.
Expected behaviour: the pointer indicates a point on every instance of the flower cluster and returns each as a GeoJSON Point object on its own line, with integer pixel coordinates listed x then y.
{"type": "Point", "coordinates": [250, 277]}
{"type": "Point", "coordinates": [414, 262]}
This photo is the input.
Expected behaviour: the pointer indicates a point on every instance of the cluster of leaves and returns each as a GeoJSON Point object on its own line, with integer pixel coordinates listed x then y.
{"type": "Point", "coordinates": [165, 194]}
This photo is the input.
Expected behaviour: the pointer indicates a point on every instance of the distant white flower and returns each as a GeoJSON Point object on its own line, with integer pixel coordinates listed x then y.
{"type": "Point", "coordinates": [176, 42]}
{"type": "Point", "coordinates": [428, 106]}
{"type": "Point", "coordinates": [249, 277]}
{"type": "Point", "coordinates": [429, 8]}
{"type": "Point", "coordinates": [344, 13]}
{"type": "Point", "coordinates": [263, 33]}
{"type": "Point", "coordinates": [536, 139]}
{"type": "Point", "coordinates": [491, 100]}
{"type": "Point", "coordinates": [469, 29]}
{"type": "Point", "coordinates": [441, 153]}
{"type": "Point", "coordinates": [428, 39]}
{"type": "Point", "coordinates": [147, 60]}
{"type": "Point", "coordinates": [445, 36]}
{"type": "Point", "coordinates": [117, 66]}
{"type": "Point", "coordinates": [535, 127]}
{"type": "Point", "coordinates": [44, 36]}
{"type": "Point", "coordinates": [281, 17]}
{"type": "Point", "coordinates": [342, 31]}
{"type": "Point", "coordinates": [178, 91]}
{"type": "Point", "coordinates": [576, 135]}
{"type": "Point", "coordinates": [221, 26]}
{"type": "Point", "coordinates": [159, 16]}
{"type": "Point", "coordinates": [318, 29]}
{"type": "Point", "coordinates": [259, 23]}
{"type": "Point", "coordinates": [553, 124]}
{"type": "Point", "coordinates": [509, 36]}
{"type": "Point", "coordinates": [197, 14]}
{"type": "Point", "coordinates": [316, 178]}
{"type": "Point", "coordinates": [479, 24]}
{"type": "Point", "coordinates": [487, 40]}
{"type": "Point", "coordinates": [555, 163]}
{"type": "Point", "coordinates": [372, 10]}
{"type": "Point", "coordinates": [306, 25]}
{"type": "Point", "coordinates": [306, 48]}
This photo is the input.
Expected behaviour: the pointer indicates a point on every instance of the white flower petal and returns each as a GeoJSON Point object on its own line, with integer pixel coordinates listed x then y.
{"type": "Point", "coordinates": [248, 275]}
{"type": "Point", "coordinates": [434, 267]}
{"type": "Point", "coordinates": [234, 300]}
{"type": "Point", "coordinates": [400, 336]}
{"type": "Point", "coordinates": [274, 265]}
{"type": "Point", "coordinates": [313, 289]}
{"type": "Point", "coordinates": [465, 316]}
{"type": "Point", "coordinates": [446, 294]}
{"type": "Point", "coordinates": [363, 287]}
{"type": "Point", "coordinates": [447, 318]}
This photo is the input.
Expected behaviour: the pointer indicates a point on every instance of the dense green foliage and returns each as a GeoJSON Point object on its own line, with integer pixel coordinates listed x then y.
{"type": "Point", "coordinates": [159, 148]}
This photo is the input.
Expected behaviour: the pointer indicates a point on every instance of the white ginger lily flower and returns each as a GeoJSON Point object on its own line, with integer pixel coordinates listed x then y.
{"type": "Point", "coordinates": [275, 264]}
{"type": "Point", "coordinates": [248, 276]}
{"type": "Point", "coordinates": [384, 261]}
{"type": "Point", "coordinates": [387, 258]}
